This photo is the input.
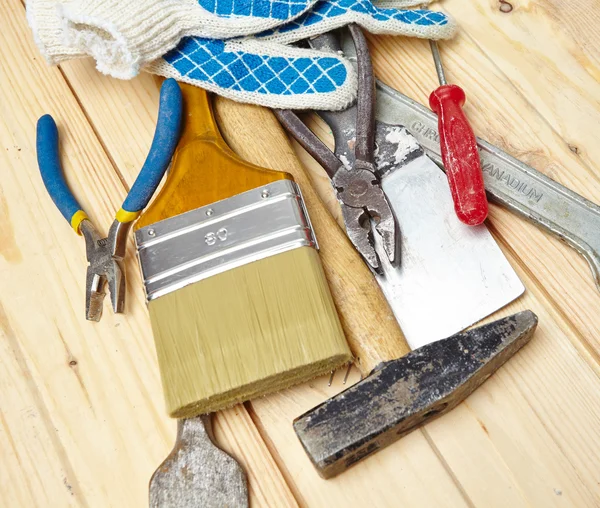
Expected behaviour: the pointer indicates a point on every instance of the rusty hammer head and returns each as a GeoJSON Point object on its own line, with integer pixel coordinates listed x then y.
{"type": "Point", "coordinates": [400, 395]}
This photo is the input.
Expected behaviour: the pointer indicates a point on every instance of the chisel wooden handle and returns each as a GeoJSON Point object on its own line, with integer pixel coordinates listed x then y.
{"type": "Point", "coordinates": [371, 329]}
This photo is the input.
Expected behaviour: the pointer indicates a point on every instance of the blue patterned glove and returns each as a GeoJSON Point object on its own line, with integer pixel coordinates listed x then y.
{"type": "Point", "coordinates": [262, 70]}
{"type": "Point", "coordinates": [125, 36]}
{"type": "Point", "coordinates": [327, 15]}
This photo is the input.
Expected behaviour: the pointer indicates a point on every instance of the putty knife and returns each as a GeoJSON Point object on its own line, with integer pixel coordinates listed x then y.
{"type": "Point", "coordinates": [448, 270]}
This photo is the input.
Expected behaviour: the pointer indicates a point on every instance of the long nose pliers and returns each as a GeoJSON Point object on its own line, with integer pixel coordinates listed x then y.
{"type": "Point", "coordinates": [105, 255]}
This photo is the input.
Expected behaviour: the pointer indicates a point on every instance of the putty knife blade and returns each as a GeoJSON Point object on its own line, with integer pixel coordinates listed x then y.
{"type": "Point", "coordinates": [450, 275]}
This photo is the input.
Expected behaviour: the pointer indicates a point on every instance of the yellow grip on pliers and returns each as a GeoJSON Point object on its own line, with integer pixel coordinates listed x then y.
{"type": "Point", "coordinates": [124, 216]}
{"type": "Point", "coordinates": [78, 217]}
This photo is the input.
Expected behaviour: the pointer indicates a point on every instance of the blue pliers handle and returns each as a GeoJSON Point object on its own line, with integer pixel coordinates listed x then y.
{"type": "Point", "coordinates": [105, 255]}
{"type": "Point", "coordinates": [161, 151]}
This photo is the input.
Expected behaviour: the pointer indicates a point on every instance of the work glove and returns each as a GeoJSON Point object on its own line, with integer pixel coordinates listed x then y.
{"type": "Point", "coordinates": [263, 70]}
{"type": "Point", "coordinates": [260, 69]}
{"type": "Point", "coordinates": [123, 35]}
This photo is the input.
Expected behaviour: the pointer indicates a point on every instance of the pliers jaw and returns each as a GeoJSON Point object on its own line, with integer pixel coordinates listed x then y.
{"type": "Point", "coordinates": [364, 208]}
{"type": "Point", "coordinates": [104, 268]}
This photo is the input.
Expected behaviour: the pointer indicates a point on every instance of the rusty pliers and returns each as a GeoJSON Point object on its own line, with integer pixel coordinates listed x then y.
{"type": "Point", "coordinates": [105, 255]}
{"type": "Point", "coordinates": [364, 205]}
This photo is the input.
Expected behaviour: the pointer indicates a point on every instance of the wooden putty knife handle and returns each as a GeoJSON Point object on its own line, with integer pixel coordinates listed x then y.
{"type": "Point", "coordinates": [371, 329]}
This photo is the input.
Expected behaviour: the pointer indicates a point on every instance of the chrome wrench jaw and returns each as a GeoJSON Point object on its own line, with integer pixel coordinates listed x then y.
{"type": "Point", "coordinates": [592, 255]}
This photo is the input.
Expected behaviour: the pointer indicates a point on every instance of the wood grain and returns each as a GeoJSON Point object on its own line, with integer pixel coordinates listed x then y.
{"type": "Point", "coordinates": [90, 434]}
{"type": "Point", "coordinates": [82, 419]}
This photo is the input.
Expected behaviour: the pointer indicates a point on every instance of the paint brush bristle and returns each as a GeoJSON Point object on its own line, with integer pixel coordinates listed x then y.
{"type": "Point", "coordinates": [246, 332]}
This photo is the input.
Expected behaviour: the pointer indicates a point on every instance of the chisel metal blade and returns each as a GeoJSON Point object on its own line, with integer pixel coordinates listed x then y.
{"type": "Point", "coordinates": [454, 270]}
{"type": "Point", "coordinates": [197, 472]}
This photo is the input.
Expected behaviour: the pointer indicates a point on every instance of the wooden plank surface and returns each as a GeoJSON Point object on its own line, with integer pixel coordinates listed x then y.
{"type": "Point", "coordinates": [82, 422]}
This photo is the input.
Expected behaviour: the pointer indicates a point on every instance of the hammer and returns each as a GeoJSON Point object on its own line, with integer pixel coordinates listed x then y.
{"type": "Point", "coordinates": [398, 395]}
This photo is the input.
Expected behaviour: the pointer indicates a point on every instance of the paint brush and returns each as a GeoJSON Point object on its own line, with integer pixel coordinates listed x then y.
{"type": "Point", "coordinates": [236, 293]}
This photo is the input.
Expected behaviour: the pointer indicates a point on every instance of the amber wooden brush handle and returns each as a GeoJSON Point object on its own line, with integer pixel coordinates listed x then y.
{"type": "Point", "coordinates": [371, 329]}
{"type": "Point", "coordinates": [204, 169]}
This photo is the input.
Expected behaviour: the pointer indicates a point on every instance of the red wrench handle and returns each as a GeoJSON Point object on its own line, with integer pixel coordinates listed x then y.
{"type": "Point", "coordinates": [460, 155]}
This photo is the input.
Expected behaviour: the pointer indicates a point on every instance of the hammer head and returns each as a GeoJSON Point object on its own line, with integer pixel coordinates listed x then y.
{"type": "Point", "coordinates": [400, 395]}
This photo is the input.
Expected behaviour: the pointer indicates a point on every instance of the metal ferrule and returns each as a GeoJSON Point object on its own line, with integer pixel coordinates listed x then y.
{"type": "Point", "coordinates": [204, 242]}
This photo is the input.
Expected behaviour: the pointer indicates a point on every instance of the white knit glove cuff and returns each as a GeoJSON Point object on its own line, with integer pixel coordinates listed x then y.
{"type": "Point", "coordinates": [122, 35]}
{"type": "Point", "coordinates": [48, 26]}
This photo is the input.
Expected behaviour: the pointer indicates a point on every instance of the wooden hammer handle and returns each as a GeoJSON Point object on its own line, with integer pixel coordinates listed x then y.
{"type": "Point", "coordinates": [371, 329]}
